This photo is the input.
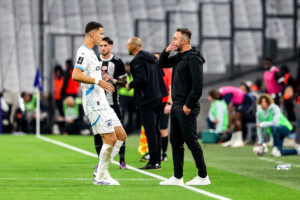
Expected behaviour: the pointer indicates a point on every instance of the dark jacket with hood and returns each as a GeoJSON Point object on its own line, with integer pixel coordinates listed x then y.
{"type": "Point", "coordinates": [187, 77]}
{"type": "Point", "coordinates": [148, 80]}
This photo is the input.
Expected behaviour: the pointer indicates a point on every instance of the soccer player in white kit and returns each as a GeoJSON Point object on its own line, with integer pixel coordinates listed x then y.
{"type": "Point", "coordinates": [102, 117]}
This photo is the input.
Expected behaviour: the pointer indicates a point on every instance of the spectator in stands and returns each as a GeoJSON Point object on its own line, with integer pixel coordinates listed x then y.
{"type": "Point", "coordinates": [270, 119]}
{"type": "Point", "coordinates": [288, 103]}
{"type": "Point", "coordinates": [128, 106]}
{"type": "Point", "coordinates": [243, 103]}
{"type": "Point", "coordinates": [273, 80]}
{"type": "Point", "coordinates": [5, 111]}
{"type": "Point", "coordinates": [27, 116]}
{"type": "Point", "coordinates": [165, 111]}
{"type": "Point", "coordinates": [72, 122]}
{"type": "Point", "coordinates": [57, 85]}
{"type": "Point", "coordinates": [218, 115]}
{"type": "Point", "coordinates": [70, 87]}
{"type": "Point", "coordinates": [288, 79]}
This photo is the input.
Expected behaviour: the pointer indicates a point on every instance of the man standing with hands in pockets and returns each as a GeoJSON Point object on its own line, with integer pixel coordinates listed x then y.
{"type": "Point", "coordinates": [187, 84]}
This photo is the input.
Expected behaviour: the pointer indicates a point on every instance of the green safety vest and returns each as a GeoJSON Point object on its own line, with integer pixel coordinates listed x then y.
{"type": "Point", "coordinates": [123, 90]}
{"type": "Point", "coordinates": [215, 112]}
{"type": "Point", "coordinates": [31, 105]}
{"type": "Point", "coordinates": [72, 112]}
{"type": "Point", "coordinates": [283, 121]}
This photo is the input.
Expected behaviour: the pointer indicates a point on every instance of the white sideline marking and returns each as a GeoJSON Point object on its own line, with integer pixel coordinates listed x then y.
{"type": "Point", "coordinates": [79, 179]}
{"type": "Point", "coordinates": [215, 196]}
{"type": "Point", "coordinates": [278, 161]}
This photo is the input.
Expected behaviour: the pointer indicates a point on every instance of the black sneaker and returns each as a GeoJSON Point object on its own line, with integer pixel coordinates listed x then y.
{"type": "Point", "coordinates": [145, 158]}
{"type": "Point", "coordinates": [150, 166]}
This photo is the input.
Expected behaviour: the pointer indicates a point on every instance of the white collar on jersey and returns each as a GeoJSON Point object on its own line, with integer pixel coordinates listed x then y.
{"type": "Point", "coordinates": [108, 59]}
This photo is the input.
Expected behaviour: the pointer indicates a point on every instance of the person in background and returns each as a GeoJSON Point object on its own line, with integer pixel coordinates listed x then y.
{"type": "Point", "coordinates": [273, 80]}
{"type": "Point", "coordinates": [288, 103]}
{"type": "Point", "coordinates": [217, 119]}
{"type": "Point", "coordinates": [73, 116]}
{"type": "Point", "coordinates": [165, 111]}
{"type": "Point", "coordinates": [127, 104]}
{"type": "Point", "coordinates": [58, 85]}
{"type": "Point", "coordinates": [270, 119]}
{"type": "Point", "coordinates": [70, 87]}
{"type": "Point", "coordinates": [27, 116]}
{"type": "Point", "coordinates": [242, 102]}
{"type": "Point", "coordinates": [288, 79]}
{"type": "Point", "coordinates": [149, 89]}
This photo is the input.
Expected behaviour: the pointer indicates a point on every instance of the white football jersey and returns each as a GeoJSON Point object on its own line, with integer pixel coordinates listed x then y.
{"type": "Point", "coordinates": [93, 96]}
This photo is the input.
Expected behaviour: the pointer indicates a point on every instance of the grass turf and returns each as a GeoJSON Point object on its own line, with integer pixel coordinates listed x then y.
{"type": "Point", "coordinates": [41, 170]}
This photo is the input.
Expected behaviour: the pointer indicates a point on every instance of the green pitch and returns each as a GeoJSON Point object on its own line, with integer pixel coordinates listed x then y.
{"type": "Point", "coordinates": [34, 169]}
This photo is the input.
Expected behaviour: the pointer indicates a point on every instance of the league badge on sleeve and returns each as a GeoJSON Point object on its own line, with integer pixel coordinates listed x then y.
{"type": "Point", "coordinates": [80, 60]}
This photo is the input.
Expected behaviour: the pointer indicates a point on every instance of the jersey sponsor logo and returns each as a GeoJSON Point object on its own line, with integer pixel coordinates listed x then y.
{"type": "Point", "coordinates": [108, 123]}
{"type": "Point", "coordinates": [80, 60]}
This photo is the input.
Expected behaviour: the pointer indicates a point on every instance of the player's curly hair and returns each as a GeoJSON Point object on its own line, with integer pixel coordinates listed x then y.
{"type": "Point", "coordinates": [265, 96]}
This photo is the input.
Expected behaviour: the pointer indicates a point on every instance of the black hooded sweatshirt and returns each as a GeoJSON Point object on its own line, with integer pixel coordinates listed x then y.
{"type": "Point", "coordinates": [187, 77]}
{"type": "Point", "coordinates": [148, 80]}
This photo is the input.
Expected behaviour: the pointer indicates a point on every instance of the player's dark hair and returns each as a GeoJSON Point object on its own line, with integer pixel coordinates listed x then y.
{"type": "Point", "coordinates": [215, 94]}
{"type": "Point", "coordinates": [69, 63]}
{"type": "Point", "coordinates": [92, 26]}
{"type": "Point", "coordinates": [185, 32]}
{"type": "Point", "coordinates": [268, 59]}
{"type": "Point", "coordinates": [58, 68]}
{"type": "Point", "coordinates": [108, 40]}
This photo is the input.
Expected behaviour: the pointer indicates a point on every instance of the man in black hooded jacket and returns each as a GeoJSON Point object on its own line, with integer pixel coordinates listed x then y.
{"type": "Point", "coordinates": [187, 83]}
{"type": "Point", "coordinates": [149, 88]}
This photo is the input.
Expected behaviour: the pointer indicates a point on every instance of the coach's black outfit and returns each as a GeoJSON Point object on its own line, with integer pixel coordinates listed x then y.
{"type": "Point", "coordinates": [187, 83]}
{"type": "Point", "coordinates": [149, 88]}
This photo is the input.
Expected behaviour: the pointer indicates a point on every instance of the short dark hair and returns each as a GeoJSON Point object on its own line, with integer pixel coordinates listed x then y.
{"type": "Point", "coordinates": [58, 68]}
{"type": "Point", "coordinates": [268, 59]}
{"type": "Point", "coordinates": [215, 94]}
{"type": "Point", "coordinates": [92, 26]}
{"type": "Point", "coordinates": [185, 32]}
{"type": "Point", "coordinates": [108, 40]}
{"type": "Point", "coordinates": [69, 63]}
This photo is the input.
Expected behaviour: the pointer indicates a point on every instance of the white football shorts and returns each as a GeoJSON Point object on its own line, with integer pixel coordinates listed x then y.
{"type": "Point", "coordinates": [104, 121]}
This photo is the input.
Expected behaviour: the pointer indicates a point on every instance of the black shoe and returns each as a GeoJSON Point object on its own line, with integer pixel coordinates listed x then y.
{"type": "Point", "coordinates": [150, 166]}
{"type": "Point", "coordinates": [145, 158]}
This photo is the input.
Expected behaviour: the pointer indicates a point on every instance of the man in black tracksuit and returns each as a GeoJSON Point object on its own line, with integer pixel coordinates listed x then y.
{"type": "Point", "coordinates": [149, 88]}
{"type": "Point", "coordinates": [187, 83]}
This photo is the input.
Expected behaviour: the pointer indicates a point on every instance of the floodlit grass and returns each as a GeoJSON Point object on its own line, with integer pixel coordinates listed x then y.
{"type": "Point", "coordinates": [34, 169]}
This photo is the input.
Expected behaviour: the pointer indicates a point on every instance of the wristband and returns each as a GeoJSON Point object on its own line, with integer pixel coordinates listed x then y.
{"type": "Point", "coordinates": [97, 81]}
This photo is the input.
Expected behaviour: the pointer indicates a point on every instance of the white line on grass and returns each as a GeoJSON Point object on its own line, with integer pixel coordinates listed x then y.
{"type": "Point", "coordinates": [215, 196]}
{"type": "Point", "coordinates": [277, 161]}
{"type": "Point", "coordinates": [78, 179]}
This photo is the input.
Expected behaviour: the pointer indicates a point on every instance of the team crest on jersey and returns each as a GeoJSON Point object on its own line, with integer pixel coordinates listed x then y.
{"type": "Point", "coordinates": [108, 123]}
{"type": "Point", "coordinates": [80, 60]}
{"type": "Point", "coordinates": [97, 68]}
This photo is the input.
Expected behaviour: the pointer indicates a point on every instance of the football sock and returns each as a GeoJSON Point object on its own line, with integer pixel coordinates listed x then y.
{"type": "Point", "coordinates": [122, 153]}
{"type": "Point", "coordinates": [104, 159]}
{"type": "Point", "coordinates": [98, 143]}
{"type": "Point", "coordinates": [116, 149]}
{"type": "Point", "coordinates": [164, 144]}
